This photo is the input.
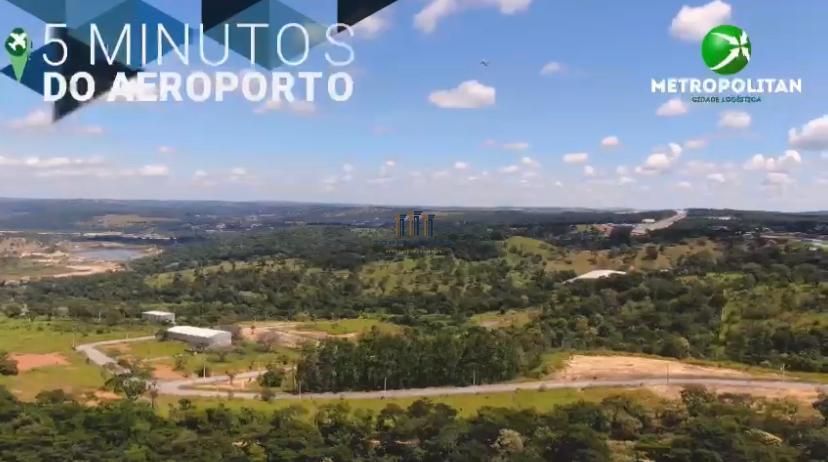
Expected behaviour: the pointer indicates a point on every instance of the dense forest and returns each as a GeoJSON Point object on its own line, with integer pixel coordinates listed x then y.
{"type": "Point", "coordinates": [699, 427]}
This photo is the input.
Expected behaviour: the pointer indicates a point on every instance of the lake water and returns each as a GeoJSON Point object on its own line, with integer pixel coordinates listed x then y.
{"type": "Point", "coordinates": [110, 254]}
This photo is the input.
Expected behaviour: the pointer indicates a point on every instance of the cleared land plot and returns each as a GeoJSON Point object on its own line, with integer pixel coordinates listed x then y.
{"type": "Point", "coordinates": [49, 362]}
{"type": "Point", "coordinates": [495, 319]}
{"type": "Point", "coordinates": [29, 361]}
{"type": "Point", "coordinates": [586, 367]}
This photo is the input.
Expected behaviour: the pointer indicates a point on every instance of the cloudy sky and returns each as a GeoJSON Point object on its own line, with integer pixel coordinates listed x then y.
{"type": "Point", "coordinates": [561, 116]}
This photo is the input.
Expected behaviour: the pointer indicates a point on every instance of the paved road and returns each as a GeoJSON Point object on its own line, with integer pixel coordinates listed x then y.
{"type": "Point", "coordinates": [185, 387]}
{"type": "Point", "coordinates": [99, 358]}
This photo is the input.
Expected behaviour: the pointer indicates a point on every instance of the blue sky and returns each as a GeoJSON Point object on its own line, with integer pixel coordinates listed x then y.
{"type": "Point", "coordinates": [526, 138]}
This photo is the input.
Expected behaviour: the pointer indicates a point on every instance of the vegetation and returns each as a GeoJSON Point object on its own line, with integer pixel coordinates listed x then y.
{"type": "Point", "coordinates": [415, 360]}
{"type": "Point", "coordinates": [8, 366]}
{"type": "Point", "coordinates": [700, 426]}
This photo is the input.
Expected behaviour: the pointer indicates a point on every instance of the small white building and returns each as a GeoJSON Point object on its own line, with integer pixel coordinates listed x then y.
{"type": "Point", "coordinates": [200, 336]}
{"type": "Point", "coordinates": [596, 274]}
{"type": "Point", "coordinates": [163, 317]}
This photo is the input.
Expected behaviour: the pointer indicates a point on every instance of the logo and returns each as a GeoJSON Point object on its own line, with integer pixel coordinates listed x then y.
{"type": "Point", "coordinates": [413, 225]}
{"type": "Point", "coordinates": [726, 49]}
{"type": "Point", "coordinates": [18, 47]}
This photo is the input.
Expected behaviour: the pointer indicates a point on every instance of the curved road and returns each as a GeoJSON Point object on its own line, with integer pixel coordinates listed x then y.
{"type": "Point", "coordinates": [186, 387]}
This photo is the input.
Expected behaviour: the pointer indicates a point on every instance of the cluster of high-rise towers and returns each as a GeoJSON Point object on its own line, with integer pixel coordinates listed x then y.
{"type": "Point", "coordinates": [414, 224]}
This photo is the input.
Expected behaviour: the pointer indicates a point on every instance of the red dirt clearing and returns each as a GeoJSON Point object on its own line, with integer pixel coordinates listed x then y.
{"type": "Point", "coordinates": [165, 372]}
{"type": "Point", "coordinates": [27, 361]}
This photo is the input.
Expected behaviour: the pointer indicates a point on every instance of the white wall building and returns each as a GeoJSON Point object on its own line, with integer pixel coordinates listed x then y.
{"type": "Point", "coordinates": [164, 317]}
{"type": "Point", "coordinates": [200, 337]}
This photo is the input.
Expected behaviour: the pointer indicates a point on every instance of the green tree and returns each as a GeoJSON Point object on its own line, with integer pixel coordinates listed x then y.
{"type": "Point", "coordinates": [8, 366]}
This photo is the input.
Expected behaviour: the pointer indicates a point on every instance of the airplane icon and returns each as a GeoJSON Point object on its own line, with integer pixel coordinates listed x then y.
{"type": "Point", "coordinates": [18, 42]}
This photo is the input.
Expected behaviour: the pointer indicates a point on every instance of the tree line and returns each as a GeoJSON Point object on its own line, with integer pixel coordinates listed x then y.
{"type": "Point", "coordinates": [415, 359]}
{"type": "Point", "coordinates": [699, 427]}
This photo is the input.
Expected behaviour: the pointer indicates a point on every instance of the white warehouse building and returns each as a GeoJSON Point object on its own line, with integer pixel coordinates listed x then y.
{"type": "Point", "coordinates": [159, 316]}
{"type": "Point", "coordinates": [200, 337]}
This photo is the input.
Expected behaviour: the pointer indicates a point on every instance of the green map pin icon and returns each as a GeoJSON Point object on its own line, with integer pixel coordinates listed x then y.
{"type": "Point", "coordinates": [19, 47]}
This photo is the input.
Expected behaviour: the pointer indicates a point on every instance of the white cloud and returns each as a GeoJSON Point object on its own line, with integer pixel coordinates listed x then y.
{"type": "Point", "coordinates": [673, 107]}
{"type": "Point", "coordinates": [198, 174]}
{"type": "Point", "coordinates": [655, 163]}
{"type": "Point", "coordinates": [49, 162]}
{"type": "Point", "coordinates": [372, 26]}
{"type": "Point", "coordinates": [622, 170]}
{"type": "Point", "coordinates": [697, 168]}
{"type": "Point", "coordinates": [697, 143]}
{"type": "Point", "coordinates": [38, 119]}
{"type": "Point", "coordinates": [777, 179]}
{"type": "Point", "coordinates": [625, 180]}
{"type": "Point", "coordinates": [348, 168]}
{"type": "Point", "coordinates": [426, 20]}
{"type": "Point", "coordinates": [659, 162]}
{"type": "Point", "coordinates": [610, 142]}
{"type": "Point", "coordinates": [381, 180]}
{"type": "Point", "coordinates": [693, 23]}
{"type": "Point", "coordinates": [734, 119]}
{"type": "Point", "coordinates": [717, 177]}
{"type": "Point", "coordinates": [300, 107]}
{"type": "Point", "coordinates": [92, 130]}
{"type": "Point", "coordinates": [459, 165]}
{"type": "Point", "coordinates": [510, 169]}
{"type": "Point", "coordinates": [675, 150]}
{"type": "Point", "coordinates": [529, 162]}
{"type": "Point", "coordinates": [783, 163]}
{"type": "Point", "coordinates": [166, 150]}
{"type": "Point", "coordinates": [576, 158]}
{"type": "Point", "coordinates": [552, 68]}
{"type": "Point", "coordinates": [589, 170]}
{"type": "Point", "coordinates": [813, 136]}
{"type": "Point", "coordinates": [470, 94]}
{"type": "Point", "coordinates": [154, 170]}
{"type": "Point", "coordinates": [684, 185]}
{"type": "Point", "coordinates": [516, 146]}
{"type": "Point", "coordinates": [386, 168]}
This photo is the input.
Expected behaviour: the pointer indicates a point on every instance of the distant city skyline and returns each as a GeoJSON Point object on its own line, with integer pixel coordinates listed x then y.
{"type": "Point", "coordinates": [482, 103]}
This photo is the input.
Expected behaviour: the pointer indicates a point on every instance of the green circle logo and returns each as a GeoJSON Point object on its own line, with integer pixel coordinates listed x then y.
{"type": "Point", "coordinates": [726, 49]}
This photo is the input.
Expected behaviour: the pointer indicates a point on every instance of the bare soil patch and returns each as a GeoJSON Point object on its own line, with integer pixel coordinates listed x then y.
{"type": "Point", "coordinates": [28, 361]}
{"type": "Point", "coordinates": [802, 396]}
{"type": "Point", "coordinates": [583, 367]}
{"type": "Point", "coordinates": [166, 372]}
{"type": "Point", "coordinates": [286, 334]}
